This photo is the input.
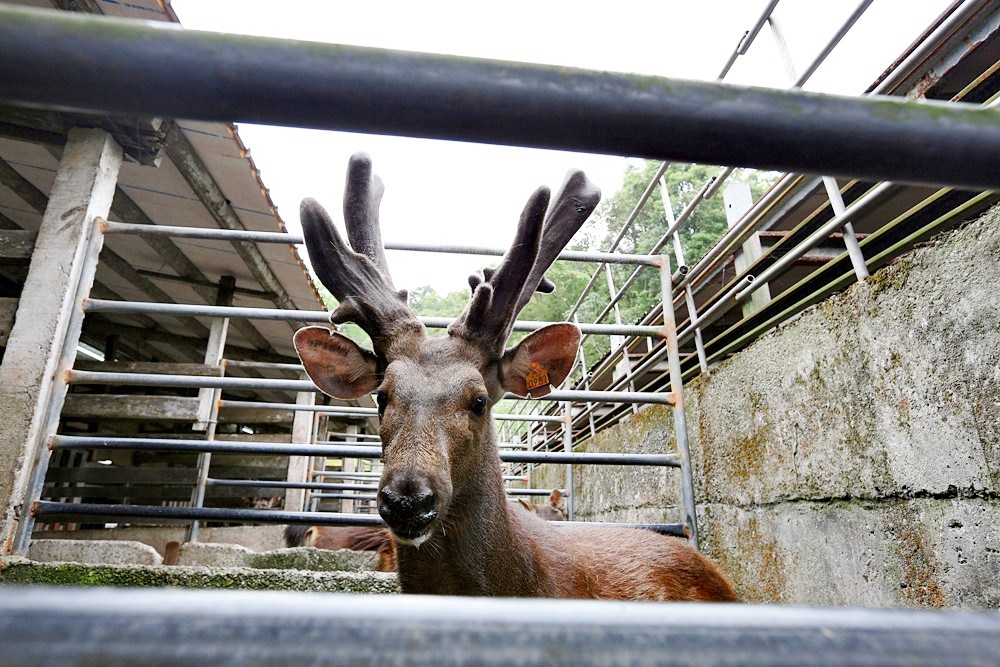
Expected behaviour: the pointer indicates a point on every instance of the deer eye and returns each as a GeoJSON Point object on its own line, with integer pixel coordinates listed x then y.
{"type": "Point", "coordinates": [479, 405]}
{"type": "Point", "coordinates": [382, 400]}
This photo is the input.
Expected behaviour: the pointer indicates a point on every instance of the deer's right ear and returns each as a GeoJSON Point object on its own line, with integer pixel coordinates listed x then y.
{"type": "Point", "coordinates": [335, 363]}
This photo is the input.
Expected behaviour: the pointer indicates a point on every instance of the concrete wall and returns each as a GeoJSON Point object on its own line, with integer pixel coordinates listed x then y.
{"type": "Point", "coordinates": [853, 455]}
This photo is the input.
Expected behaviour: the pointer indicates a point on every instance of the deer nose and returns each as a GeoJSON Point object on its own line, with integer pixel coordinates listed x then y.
{"type": "Point", "coordinates": [408, 505]}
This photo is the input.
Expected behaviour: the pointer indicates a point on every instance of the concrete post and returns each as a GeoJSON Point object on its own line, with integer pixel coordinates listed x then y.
{"type": "Point", "coordinates": [738, 201]}
{"type": "Point", "coordinates": [298, 466]}
{"type": "Point", "coordinates": [43, 340]}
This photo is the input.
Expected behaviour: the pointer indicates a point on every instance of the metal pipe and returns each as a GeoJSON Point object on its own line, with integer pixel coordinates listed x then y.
{"type": "Point", "coordinates": [643, 198]}
{"type": "Point", "coordinates": [832, 44]}
{"type": "Point", "coordinates": [322, 316]}
{"type": "Point", "coordinates": [242, 78]}
{"type": "Point", "coordinates": [355, 451]}
{"type": "Point", "coordinates": [680, 418]}
{"type": "Point", "coordinates": [817, 237]}
{"type": "Point", "coordinates": [165, 380]}
{"type": "Point", "coordinates": [296, 239]}
{"type": "Point", "coordinates": [202, 627]}
{"type": "Point", "coordinates": [751, 35]}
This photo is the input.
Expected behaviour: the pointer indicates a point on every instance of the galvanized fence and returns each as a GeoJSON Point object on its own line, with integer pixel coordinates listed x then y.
{"type": "Point", "coordinates": [578, 110]}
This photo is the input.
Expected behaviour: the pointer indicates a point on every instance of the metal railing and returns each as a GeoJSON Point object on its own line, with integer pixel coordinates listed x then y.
{"type": "Point", "coordinates": [600, 112]}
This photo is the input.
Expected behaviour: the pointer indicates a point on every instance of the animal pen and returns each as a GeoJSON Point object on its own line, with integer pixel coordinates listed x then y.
{"type": "Point", "coordinates": [908, 171]}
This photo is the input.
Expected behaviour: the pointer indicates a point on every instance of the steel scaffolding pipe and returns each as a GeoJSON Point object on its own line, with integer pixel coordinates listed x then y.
{"type": "Point", "coordinates": [228, 78]}
{"type": "Point", "coordinates": [323, 317]}
{"type": "Point", "coordinates": [197, 382]}
{"type": "Point", "coordinates": [200, 627]}
{"type": "Point", "coordinates": [49, 511]}
{"type": "Point", "coordinates": [351, 411]}
{"type": "Point", "coordinates": [296, 239]}
{"type": "Point", "coordinates": [344, 449]}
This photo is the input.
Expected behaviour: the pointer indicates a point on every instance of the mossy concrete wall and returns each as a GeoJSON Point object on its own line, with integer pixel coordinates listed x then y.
{"type": "Point", "coordinates": [853, 455]}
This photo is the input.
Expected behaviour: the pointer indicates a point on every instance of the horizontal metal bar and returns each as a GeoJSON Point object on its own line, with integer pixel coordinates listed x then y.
{"type": "Point", "coordinates": [248, 79]}
{"type": "Point", "coordinates": [47, 510]}
{"type": "Point", "coordinates": [200, 627]}
{"type": "Point", "coordinates": [669, 460]}
{"type": "Point", "coordinates": [323, 317]}
{"type": "Point", "coordinates": [340, 410]}
{"type": "Point", "coordinates": [296, 239]}
{"type": "Point", "coordinates": [274, 484]}
{"type": "Point", "coordinates": [355, 451]}
{"type": "Point", "coordinates": [50, 510]}
{"type": "Point", "coordinates": [213, 446]}
{"type": "Point", "coordinates": [190, 381]}
{"type": "Point", "coordinates": [345, 496]}
{"type": "Point", "coordinates": [351, 411]}
{"type": "Point", "coordinates": [165, 380]}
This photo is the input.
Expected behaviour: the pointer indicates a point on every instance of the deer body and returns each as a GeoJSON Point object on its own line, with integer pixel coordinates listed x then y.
{"type": "Point", "coordinates": [441, 491]}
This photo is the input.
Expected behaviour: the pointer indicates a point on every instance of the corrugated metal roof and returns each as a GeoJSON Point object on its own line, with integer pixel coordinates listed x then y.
{"type": "Point", "coordinates": [166, 198]}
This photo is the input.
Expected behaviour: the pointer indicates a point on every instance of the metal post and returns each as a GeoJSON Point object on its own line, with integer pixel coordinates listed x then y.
{"type": "Point", "coordinates": [668, 211]}
{"type": "Point", "coordinates": [829, 183]}
{"type": "Point", "coordinates": [738, 201]}
{"type": "Point", "coordinates": [568, 448]}
{"type": "Point", "coordinates": [624, 367]}
{"type": "Point", "coordinates": [208, 408]}
{"type": "Point", "coordinates": [299, 466]}
{"type": "Point", "coordinates": [680, 417]}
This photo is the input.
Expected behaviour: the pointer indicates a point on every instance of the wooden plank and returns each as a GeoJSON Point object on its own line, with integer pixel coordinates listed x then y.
{"type": "Point", "coordinates": [8, 309]}
{"type": "Point", "coordinates": [112, 474]}
{"type": "Point", "coordinates": [246, 416]}
{"type": "Point", "coordinates": [16, 245]}
{"type": "Point", "coordinates": [115, 406]}
{"type": "Point", "coordinates": [200, 370]}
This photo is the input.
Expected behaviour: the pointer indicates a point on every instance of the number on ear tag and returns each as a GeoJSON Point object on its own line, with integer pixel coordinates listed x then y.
{"type": "Point", "coordinates": [538, 377]}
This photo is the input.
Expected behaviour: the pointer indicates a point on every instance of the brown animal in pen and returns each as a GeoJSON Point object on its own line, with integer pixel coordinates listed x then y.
{"type": "Point", "coordinates": [441, 492]}
{"type": "Point", "coordinates": [356, 538]}
{"type": "Point", "coordinates": [553, 510]}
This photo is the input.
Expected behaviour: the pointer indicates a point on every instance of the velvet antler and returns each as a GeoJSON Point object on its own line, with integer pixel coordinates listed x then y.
{"type": "Point", "coordinates": [500, 294]}
{"type": "Point", "coordinates": [359, 278]}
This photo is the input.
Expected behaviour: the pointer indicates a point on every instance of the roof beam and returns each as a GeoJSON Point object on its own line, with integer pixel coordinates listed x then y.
{"type": "Point", "coordinates": [125, 208]}
{"type": "Point", "coordinates": [194, 171]}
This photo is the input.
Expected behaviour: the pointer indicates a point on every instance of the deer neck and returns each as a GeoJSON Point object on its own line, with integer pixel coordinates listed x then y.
{"type": "Point", "coordinates": [480, 550]}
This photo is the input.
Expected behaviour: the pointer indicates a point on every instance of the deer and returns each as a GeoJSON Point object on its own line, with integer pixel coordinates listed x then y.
{"type": "Point", "coordinates": [553, 510]}
{"type": "Point", "coordinates": [441, 492]}
{"type": "Point", "coordinates": [356, 538]}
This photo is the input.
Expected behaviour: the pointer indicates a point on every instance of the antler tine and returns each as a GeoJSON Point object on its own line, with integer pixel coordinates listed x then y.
{"type": "Point", "coordinates": [577, 199]}
{"type": "Point", "coordinates": [540, 238]}
{"type": "Point", "coordinates": [362, 196]}
{"type": "Point", "coordinates": [360, 282]}
{"type": "Point", "coordinates": [493, 306]}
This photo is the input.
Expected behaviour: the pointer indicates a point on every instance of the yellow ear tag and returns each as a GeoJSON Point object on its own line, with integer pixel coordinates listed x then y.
{"type": "Point", "coordinates": [538, 377]}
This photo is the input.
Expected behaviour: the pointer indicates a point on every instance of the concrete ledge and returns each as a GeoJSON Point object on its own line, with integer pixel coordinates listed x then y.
{"type": "Point", "coordinates": [23, 571]}
{"type": "Point", "coordinates": [107, 552]}
{"type": "Point", "coordinates": [298, 558]}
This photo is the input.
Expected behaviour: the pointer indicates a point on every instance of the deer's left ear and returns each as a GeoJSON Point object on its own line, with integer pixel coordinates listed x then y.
{"type": "Point", "coordinates": [541, 361]}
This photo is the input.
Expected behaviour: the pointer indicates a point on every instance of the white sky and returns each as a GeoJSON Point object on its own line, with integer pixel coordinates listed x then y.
{"type": "Point", "coordinates": [472, 194]}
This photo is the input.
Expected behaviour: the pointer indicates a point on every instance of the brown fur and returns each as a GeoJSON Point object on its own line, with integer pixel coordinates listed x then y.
{"type": "Point", "coordinates": [554, 510]}
{"type": "Point", "coordinates": [356, 538]}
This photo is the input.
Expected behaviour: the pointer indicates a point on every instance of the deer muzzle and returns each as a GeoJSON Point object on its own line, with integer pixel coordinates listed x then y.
{"type": "Point", "coordinates": [409, 506]}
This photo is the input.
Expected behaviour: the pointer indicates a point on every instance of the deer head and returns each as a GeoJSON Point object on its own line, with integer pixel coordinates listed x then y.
{"type": "Point", "coordinates": [434, 394]}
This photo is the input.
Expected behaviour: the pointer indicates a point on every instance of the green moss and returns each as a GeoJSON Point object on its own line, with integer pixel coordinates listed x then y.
{"type": "Point", "coordinates": [19, 571]}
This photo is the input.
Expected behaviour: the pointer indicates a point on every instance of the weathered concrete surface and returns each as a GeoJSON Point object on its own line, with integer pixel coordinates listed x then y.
{"type": "Point", "coordinates": [21, 571]}
{"type": "Point", "coordinates": [256, 538]}
{"type": "Point", "coordinates": [106, 552]}
{"type": "Point", "coordinates": [853, 455]}
{"type": "Point", "coordinates": [298, 558]}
